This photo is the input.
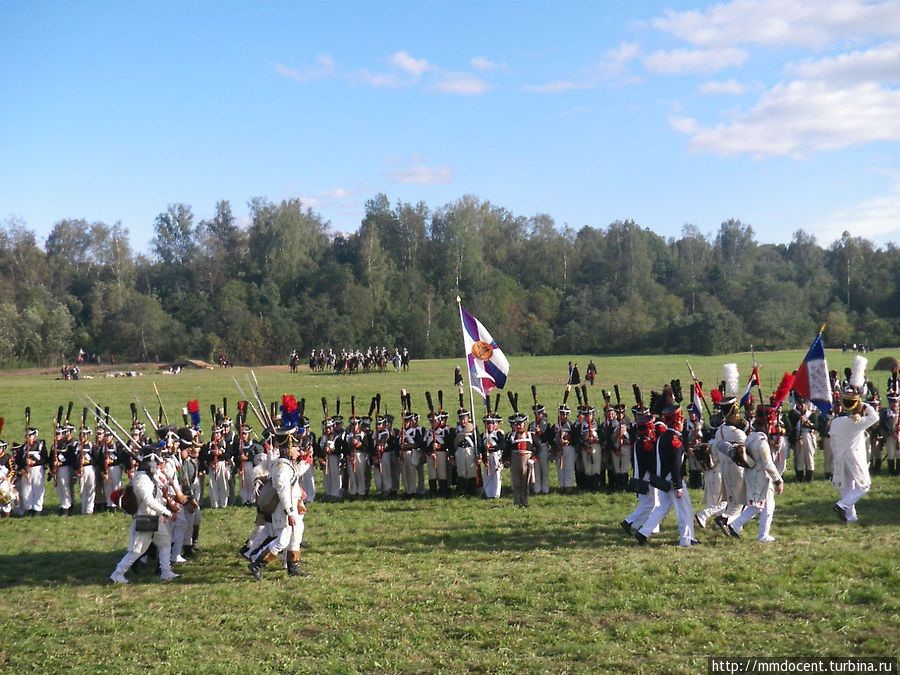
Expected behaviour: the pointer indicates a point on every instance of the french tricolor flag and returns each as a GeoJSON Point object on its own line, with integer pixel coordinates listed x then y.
{"type": "Point", "coordinates": [695, 401]}
{"type": "Point", "coordinates": [811, 380]}
{"type": "Point", "coordinates": [748, 390]}
{"type": "Point", "coordinates": [488, 366]}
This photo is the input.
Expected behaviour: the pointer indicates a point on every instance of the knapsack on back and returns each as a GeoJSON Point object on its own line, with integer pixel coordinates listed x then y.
{"type": "Point", "coordinates": [267, 498]}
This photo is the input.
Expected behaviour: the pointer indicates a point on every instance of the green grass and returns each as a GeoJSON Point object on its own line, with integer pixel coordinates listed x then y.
{"type": "Point", "coordinates": [452, 586]}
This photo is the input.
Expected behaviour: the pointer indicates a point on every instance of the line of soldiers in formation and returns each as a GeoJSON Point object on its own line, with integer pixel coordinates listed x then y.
{"type": "Point", "coordinates": [738, 460]}
{"type": "Point", "coordinates": [589, 453]}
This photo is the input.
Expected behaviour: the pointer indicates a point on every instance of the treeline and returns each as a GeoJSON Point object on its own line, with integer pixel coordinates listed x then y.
{"type": "Point", "coordinates": [287, 281]}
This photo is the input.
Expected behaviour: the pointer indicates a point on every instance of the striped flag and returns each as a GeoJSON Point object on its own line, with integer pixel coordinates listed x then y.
{"type": "Point", "coordinates": [488, 366]}
{"type": "Point", "coordinates": [811, 379]}
{"type": "Point", "coordinates": [748, 390]}
{"type": "Point", "coordinates": [697, 397]}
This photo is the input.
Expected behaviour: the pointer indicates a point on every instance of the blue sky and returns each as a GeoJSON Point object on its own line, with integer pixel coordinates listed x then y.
{"type": "Point", "coordinates": [783, 114]}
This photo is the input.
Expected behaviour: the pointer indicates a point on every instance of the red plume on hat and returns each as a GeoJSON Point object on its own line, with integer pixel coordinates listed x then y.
{"type": "Point", "coordinates": [715, 396]}
{"type": "Point", "coordinates": [787, 383]}
{"type": "Point", "coordinates": [289, 402]}
{"type": "Point", "coordinates": [193, 406]}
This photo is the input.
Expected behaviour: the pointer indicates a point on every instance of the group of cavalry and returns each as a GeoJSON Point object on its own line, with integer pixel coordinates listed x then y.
{"type": "Point", "coordinates": [736, 455]}
{"type": "Point", "coordinates": [352, 361]}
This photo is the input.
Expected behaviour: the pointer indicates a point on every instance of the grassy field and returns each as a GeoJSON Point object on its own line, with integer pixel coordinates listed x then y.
{"type": "Point", "coordinates": [447, 586]}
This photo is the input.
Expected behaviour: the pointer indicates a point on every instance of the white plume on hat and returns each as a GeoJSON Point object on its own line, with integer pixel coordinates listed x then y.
{"type": "Point", "coordinates": [858, 374]}
{"type": "Point", "coordinates": [730, 375]}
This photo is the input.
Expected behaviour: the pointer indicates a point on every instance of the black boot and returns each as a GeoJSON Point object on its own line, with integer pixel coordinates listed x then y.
{"type": "Point", "coordinates": [799, 475]}
{"type": "Point", "coordinates": [257, 566]}
{"type": "Point", "coordinates": [195, 537]}
{"type": "Point", "coordinates": [695, 479]}
{"type": "Point", "coordinates": [294, 570]}
{"type": "Point", "coordinates": [444, 488]}
{"type": "Point", "coordinates": [809, 476]}
{"type": "Point", "coordinates": [891, 470]}
{"type": "Point", "coordinates": [432, 488]}
{"type": "Point", "coordinates": [876, 467]}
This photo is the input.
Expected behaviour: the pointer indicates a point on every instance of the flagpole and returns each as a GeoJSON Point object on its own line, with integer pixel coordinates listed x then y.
{"type": "Point", "coordinates": [758, 378]}
{"type": "Point", "coordinates": [468, 372]}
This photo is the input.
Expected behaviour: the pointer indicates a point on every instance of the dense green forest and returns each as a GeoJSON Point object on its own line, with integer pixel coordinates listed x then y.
{"type": "Point", "coordinates": [288, 281]}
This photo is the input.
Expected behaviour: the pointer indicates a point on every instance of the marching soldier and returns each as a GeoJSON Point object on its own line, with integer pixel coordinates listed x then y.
{"type": "Point", "coordinates": [146, 525]}
{"type": "Point", "coordinates": [851, 470]}
{"type": "Point", "coordinates": [287, 519]}
{"type": "Point", "coordinates": [732, 433]}
{"type": "Point", "coordinates": [762, 479]}
{"type": "Point", "coordinates": [644, 467]}
{"type": "Point", "coordinates": [670, 468]}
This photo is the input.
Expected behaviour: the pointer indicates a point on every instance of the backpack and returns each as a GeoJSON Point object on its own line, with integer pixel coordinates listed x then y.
{"type": "Point", "coordinates": [267, 498]}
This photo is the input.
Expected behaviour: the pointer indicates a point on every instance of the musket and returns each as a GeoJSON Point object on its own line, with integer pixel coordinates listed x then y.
{"type": "Point", "coordinates": [56, 463]}
{"type": "Point", "coordinates": [81, 440]}
{"type": "Point", "coordinates": [250, 403]}
{"type": "Point", "coordinates": [162, 409]}
{"type": "Point", "coordinates": [696, 384]}
{"type": "Point", "coordinates": [433, 419]}
{"type": "Point", "coordinates": [354, 448]}
{"type": "Point", "coordinates": [559, 431]}
{"type": "Point", "coordinates": [373, 406]}
{"type": "Point", "coordinates": [146, 412]}
{"type": "Point", "coordinates": [107, 418]}
{"type": "Point", "coordinates": [260, 398]}
{"type": "Point", "coordinates": [325, 448]}
{"type": "Point", "coordinates": [620, 416]}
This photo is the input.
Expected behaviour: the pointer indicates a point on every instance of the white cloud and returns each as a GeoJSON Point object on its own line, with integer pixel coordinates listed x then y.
{"type": "Point", "coordinates": [800, 117]}
{"type": "Point", "coordinates": [694, 60]}
{"type": "Point", "coordinates": [481, 63]}
{"type": "Point", "coordinates": [783, 23]}
{"type": "Point", "coordinates": [381, 79]}
{"type": "Point", "coordinates": [577, 110]}
{"type": "Point", "coordinates": [873, 219]}
{"type": "Point", "coordinates": [611, 68]}
{"type": "Point", "coordinates": [408, 64]}
{"type": "Point", "coordinates": [327, 198]}
{"type": "Point", "coordinates": [731, 86]}
{"type": "Point", "coordinates": [463, 84]}
{"type": "Point", "coordinates": [324, 68]}
{"type": "Point", "coordinates": [420, 175]}
{"type": "Point", "coordinates": [881, 63]}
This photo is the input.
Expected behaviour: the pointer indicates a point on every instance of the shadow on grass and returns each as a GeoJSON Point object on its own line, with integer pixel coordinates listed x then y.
{"type": "Point", "coordinates": [89, 568]}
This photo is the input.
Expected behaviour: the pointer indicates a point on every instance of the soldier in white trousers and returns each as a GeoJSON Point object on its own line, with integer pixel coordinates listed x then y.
{"type": "Point", "coordinates": [149, 493]}
{"type": "Point", "coordinates": [287, 519]}
{"type": "Point", "coordinates": [541, 431]}
{"type": "Point", "coordinates": [762, 480]}
{"type": "Point", "coordinates": [851, 470]}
